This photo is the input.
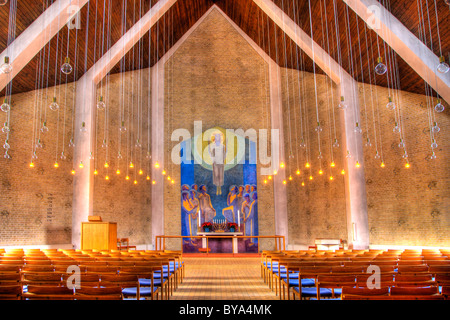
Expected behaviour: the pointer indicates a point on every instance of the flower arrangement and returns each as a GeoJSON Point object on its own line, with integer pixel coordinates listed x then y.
{"type": "Point", "coordinates": [207, 226]}
{"type": "Point", "coordinates": [232, 226]}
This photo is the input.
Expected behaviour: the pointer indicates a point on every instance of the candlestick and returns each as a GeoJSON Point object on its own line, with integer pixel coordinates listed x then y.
{"type": "Point", "coordinates": [199, 218]}
{"type": "Point", "coordinates": [239, 218]}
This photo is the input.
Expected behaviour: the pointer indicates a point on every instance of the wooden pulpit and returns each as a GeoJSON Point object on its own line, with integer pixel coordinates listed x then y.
{"type": "Point", "coordinates": [98, 235]}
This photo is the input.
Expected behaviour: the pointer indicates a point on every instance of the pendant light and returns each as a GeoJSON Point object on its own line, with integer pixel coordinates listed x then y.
{"type": "Point", "coordinates": [5, 128]}
{"type": "Point", "coordinates": [101, 104]}
{"type": "Point", "coordinates": [443, 67]}
{"type": "Point", "coordinates": [6, 66]}
{"type": "Point", "coordinates": [66, 68]}
{"type": "Point", "coordinates": [54, 106]}
{"type": "Point", "coordinates": [342, 105]}
{"type": "Point", "coordinates": [391, 104]}
{"type": "Point", "coordinates": [5, 106]}
{"type": "Point", "coordinates": [435, 128]}
{"type": "Point", "coordinates": [380, 68]}
{"type": "Point", "coordinates": [439, 107]}
{"type": "Point", "coordinates": [3, 2]}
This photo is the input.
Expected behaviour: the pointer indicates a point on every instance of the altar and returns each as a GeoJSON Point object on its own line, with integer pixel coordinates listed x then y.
{"type": "Point", "coordinates": [220, 246]}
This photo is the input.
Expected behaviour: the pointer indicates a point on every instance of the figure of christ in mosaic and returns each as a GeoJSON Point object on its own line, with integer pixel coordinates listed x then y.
{"type": "Point", "coordinates": [207, 211]}
{"type": "Point", "coordinates": [217, 152]}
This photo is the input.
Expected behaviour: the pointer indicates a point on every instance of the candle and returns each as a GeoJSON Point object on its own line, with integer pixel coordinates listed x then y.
{"type": "Point", "coordinates": [199, 218]}
{"type": "Point", "coordinates": [239, 218]}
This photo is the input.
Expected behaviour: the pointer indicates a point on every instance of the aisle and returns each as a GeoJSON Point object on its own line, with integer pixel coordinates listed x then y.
{"type": "Point", "coordinates": [223, 279]}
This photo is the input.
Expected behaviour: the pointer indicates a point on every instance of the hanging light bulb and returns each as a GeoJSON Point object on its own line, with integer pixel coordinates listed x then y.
{"type": "Point", "coordinates": [131, 165]}
{"type": "Point", "coordinates": [39, 144]}
{"type": "Point", "coordinates": [138, 143]}
{"type": "Point", "coordinates": [435, 128]}
{"type": "Point", "coordinates": [31, 165]}
{"type": "Point", "coordinates": [95, 172]}
{"type": "Point", "coordinates": [34, 156]}
{"type": "Point", "coordinates": [135, 182]}
{"type": "Point", "coordinates": [104, 143]}
{"type": "Point", "coordinates": [148, 156]}
{"type": "Point", "coordinates": [401, 144]}
{"type": "Point", "coordinates": [318, 128]}
{"type": "Point", "coordinates": [284, 182]}
{"type": "Point", "coordinates": [357, 128]}
{"type": "Point", "coordinates": [54, 105]}
{"type": "Point", "coordinates": [91, 156]}
{"type": "Point", "coordinates": [71, 143]}
{"type": "Point", "coordinates": [291, 156]}
{"type": "Point", "coordinates": [81, 165]}
{"type": "Point", "coordinates": [335, 143]}
{"type": "Point", "coordinates": [101, 104]}
{"type": "Point", "coordinates": [434, 144]}
{"type": "Point", "coordinates": [331, 178]}
{"type": "Point", "coordinates": [342, 105]}
{"type": "Point", "coordinates": [390, 105]}
{"type": "Point", "coordinates": [6, 145]}
{"type": "Point", "coordinates": [303, 184]}
{"type": "Point", "coordinates": [405, 155]}
{"type": "Point", "coordinates": [380, 68]}
{"type": "Point", "coordinates": [348, 156]}
{"type": "Point", "coordinates": [83, 127]}
{"type": "Point", "coordinates": [433, 156]}
{"type": "Point", "coordinates": [275, 172]}
{"type": "Point", "coordinates": [106, 177]}
{"type": "Point", "coordinates": [63, 156]}
{"type": "Point", "coordinates": [368, 143]}
{"type": "Point", "coordinates": [44, 128]}
{"type": "Point", "coordinates": [311, 177]}
{"type": "Point", "coordinates": [119, 155]}
{"type": "Point", "coordinates": [382, 164]}
{"type": "Point", "coordinates": [168, 178]}
{"type": "Point", "coordinates": [290, 178]}
{"type": "Point", "coordinates": [3, 2]}
{"type": "Point", "coordinates": [147, 178]}
{"type": "Point", "coordinates": [357, 164]}
{"type": "Point", "coordinates": [302, 143]}
{"type": "Point", "coordinates": [73, 171]}
{"type": "Point", "coordinates": [298, 172]}
{"type": "Point", "coordinates": [106, 165]}
{"type": "Point", "coordinates": [442, 67]}
{"type": "Point", "coordinates": [320, 156]}
{"type": "Point", "coordinates": [377, 155]}
{"type": "Point", "coordinates": [282, 165]}
{"type": "Point", "coordinates": [141, 172]}
{"type": "Point", "coordinates": [320, 171]}
{"type": "Point", "coordinates": [307, 165]}
{"type": "Point", "coordinates": [66, 68]}
{"type": "Point", "coordinates": [333, 164]}
{"type": "Point", "coordinates": [6, 66]}
{"type": "Point", "coordinates": [407, 165]}
{"type": "Point", "coordinates": [153, 182]}
{"type": "Point", "coordinates": [156, 165]}
{"type": "Point", "coordinates": [6, 155]}
{"type": "Point", "coordinates": [269, 177]}
{"type": "Point", "coordinates": [5, 128]}
{"type": "Point", "coordinates": [122, 127]}
{"type": "Point", "coordinates": [5, 106]}
{"type": "Point", "coordinates": [439, 107]}
{"type": "Point", "coordinates": [397, 128]}
{"type": "Point", "coordinates": [118, 171]}
{"type": "Point", "coordinates": [127, 177]}
{"type": "Point", "coordinates": [56, 165]}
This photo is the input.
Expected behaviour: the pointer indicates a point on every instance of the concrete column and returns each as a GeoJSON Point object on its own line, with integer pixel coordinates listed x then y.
{"type": "Point", "coordinates": [404, 43]}
{"type": "Point", "coordinates": [83, 182]}
{"type": "Point", "coordinates": [355, 183]}
{"type": "Point", "coordinates": [37, 35]}
{"type": "Point", "coordinates": [277, 150]}
{"type": "Point", "coordinates": [157, 84]}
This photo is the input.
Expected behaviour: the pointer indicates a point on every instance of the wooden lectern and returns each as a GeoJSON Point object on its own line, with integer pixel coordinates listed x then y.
{"type": "Point", "coordinates": [98, 235]}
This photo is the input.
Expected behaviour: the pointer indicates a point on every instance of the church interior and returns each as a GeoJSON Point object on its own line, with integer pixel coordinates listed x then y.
{"type": "Point", "coordinates": [224, 150]}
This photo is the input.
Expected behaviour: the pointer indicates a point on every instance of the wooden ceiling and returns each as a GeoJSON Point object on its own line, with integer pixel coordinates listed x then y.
{"type": "Point", "coordinates": [103, 22]}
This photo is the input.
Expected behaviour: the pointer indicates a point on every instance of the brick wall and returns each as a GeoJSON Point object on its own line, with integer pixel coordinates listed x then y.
{"type": "Point", "coordinates": [36, 203]}
{"type": "Point", "coordinates": [118, 199]}
{"type": "Point", "coordinates": [215, 77]}
{"type": "Point", "coordinates": [317, 209]}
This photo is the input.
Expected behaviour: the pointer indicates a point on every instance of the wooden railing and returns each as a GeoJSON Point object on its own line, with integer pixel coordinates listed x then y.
{"type": "Point", "coordinates": [160, 241]}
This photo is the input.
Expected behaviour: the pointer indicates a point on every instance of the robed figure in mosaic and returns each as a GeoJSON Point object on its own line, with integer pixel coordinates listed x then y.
{"type": "Point", "coordinates": [217, 152]}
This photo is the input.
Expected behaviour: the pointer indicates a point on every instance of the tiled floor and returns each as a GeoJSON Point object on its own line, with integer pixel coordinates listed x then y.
{"type": "Point", "coordinates": [223, 279]}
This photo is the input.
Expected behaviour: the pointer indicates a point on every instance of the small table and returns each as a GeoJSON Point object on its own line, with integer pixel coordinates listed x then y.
{"type": "Point", "coordinates": [327, 244]}
{"type": "Point", "coordinates": [223, 235]}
